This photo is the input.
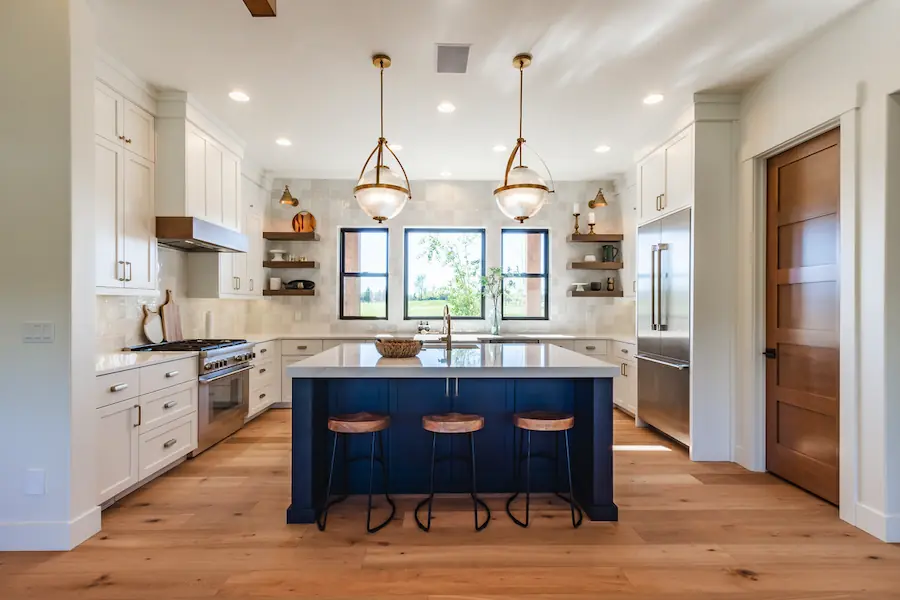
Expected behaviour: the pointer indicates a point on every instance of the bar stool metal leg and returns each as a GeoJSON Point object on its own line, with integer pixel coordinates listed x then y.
{"type": "Point", "coordinates": [475, 499]}
{"type": "Point", "coordinates": [322, 519]}
{"type": "Point", "coordinates": [430, 499]}
{"type": "Point", "coordinates": [384, 473]}
{"type": "Point", "coordinates": [523, 436]}
{"type": "Point", "coordinates": [572, 504]}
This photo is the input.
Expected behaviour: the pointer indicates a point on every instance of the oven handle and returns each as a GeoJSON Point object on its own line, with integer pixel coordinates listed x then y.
{"type": "Point", "coordinates": [208, 379]}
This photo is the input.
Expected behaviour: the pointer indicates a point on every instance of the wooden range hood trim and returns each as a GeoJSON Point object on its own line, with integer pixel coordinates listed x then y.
{"type": "Point", "coordinates": [261, 8]}
{"type": "Point", "coordinates": [196, 235]}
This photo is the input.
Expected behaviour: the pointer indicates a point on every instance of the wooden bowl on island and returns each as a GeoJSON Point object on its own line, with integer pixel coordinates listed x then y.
{"type": "Point", "coordinates": [393, 348]}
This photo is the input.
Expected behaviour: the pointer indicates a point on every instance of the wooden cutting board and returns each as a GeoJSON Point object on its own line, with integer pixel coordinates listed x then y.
{"type": "Point", "coordinates": [171, 318]}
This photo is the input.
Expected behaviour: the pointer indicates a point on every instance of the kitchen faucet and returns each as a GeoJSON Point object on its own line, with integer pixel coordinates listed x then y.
{"type": "Point", "coordinates": [447, 321]}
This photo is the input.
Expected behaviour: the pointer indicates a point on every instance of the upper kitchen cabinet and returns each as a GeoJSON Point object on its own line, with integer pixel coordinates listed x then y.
{"type": "Point", "coordinates": [124, 173]}
{"type": "Point", "coordinates": [666, 177]}
{"type": "Point", "coordinates": [123, 122]}
{"type": "Point", "coordinates": [199, 169]}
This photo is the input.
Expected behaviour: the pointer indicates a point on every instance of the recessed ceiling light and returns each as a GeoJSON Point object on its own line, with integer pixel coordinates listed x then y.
{"type": "Point", "coordinates": [446, 173]}
{"type": "Point", "coordinates": [499, 148]}
{"type": "Point", "coordinates": [653, 99]}
{"type": "Point", "coordinates": [446, 107]}
{"type": "Point", "coordinates": [396, 147]}
{"type": "Point", "coordinates": [602, 148]}
{"type": "Point", "coordinates": [238, 96]}
{"type": "Point", "coordinates": [283, 142]}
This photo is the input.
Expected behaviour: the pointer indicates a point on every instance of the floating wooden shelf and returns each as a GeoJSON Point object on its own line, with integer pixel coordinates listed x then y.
{"type": "Point", "coordinates": [595, 266]}
{"type": "Point", "coordinates": [593, 294]}
{"type": "Point", "coordinates": [287, 264]}
{"type": "Point", "coordinates": [289, 292]}
{"type": "Point", "coordinates": [597, 237]}
{"type": "Point", "coordinates": [291, 236]}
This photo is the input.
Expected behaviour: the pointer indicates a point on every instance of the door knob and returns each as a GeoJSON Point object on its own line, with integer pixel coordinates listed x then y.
{"type": "Point", "coordinates": [770, 353]}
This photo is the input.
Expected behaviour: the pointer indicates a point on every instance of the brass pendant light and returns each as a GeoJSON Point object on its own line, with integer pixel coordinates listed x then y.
{"type": "Point", "coordinates": [380, 192]}
{"type": "Point", "coordinates": [523, 192]}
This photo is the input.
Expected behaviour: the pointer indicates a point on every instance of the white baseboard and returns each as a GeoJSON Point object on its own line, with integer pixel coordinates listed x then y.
{"type": "Point", "coordinates": [281, 405]}
{"type": "Point", "coordinates": [49, 535]}
{"type": "Point", "coordinates": [874, 522]}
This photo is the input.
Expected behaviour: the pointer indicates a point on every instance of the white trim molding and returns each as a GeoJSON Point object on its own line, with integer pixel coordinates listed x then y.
{"type": "Point", "coordinates": [874, 522]}
{"type": "Point", "coordinates": [49, 535]}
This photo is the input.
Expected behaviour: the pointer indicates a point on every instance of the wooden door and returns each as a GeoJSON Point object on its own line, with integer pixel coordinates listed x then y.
{"type": "Point", "coordinates": [140, 223]}
{"type": "Point", "coordinates": [802, 315]}
{"type": "Point", "coordinates": [108, 213]}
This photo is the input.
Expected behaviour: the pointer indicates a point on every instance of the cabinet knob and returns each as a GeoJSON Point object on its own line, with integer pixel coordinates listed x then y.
{"type": "Point", "coordinates": [121, 137]}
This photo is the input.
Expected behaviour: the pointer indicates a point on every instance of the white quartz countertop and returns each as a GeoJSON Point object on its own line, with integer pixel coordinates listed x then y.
{"type": "Point", "coordinates": [114, 362]}
{"type": "Point", "coordinates": [258, 338]}
{"type": "Point", "coordinates": [514, 361]}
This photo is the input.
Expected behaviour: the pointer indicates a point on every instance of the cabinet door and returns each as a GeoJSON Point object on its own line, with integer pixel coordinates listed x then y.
{"type": "Point", "coordinates": [108, 113]}
{"type": "Point", "coordinates": [227, 279]}
{"type": "Point", "coordinates": [625, 387]}
{"type": "Point", "coordinates": [195, 178]}
{"type": "Point", "coordinates": [253, 260]}
{"type": "Point", "coordinates": [140, 223]}
{"type": "Point", "coordinates": [117, 454]}
{"type": "Point", "coordinates": [652, 176]}
{"type": "Point", "coordinates": [679, 190]}
{"type": "Point", "coordinates": [139, 132]}
{"type": "Point", "coordinates": [231, 197]}
{"type": "Point", "coordinates": [213, 183]}
{"type": "Point", "coordinates": [108, 213]}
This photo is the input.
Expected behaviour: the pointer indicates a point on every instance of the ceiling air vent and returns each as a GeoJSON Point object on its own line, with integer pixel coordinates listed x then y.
{"type": "Point", "coordinates": [452, 58]}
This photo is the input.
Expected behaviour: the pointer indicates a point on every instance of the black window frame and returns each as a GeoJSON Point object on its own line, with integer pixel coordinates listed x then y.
{"type": "Point", "coordinates": [406, 232]}
{"type": "Point", "coordinates": [343, 274]}
{"type": "Point", "coordinates": [545, 275]}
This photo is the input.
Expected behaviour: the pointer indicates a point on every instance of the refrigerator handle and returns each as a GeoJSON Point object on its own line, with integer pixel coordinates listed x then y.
{"type": "Point", "coordinates": [659, 324]}
{"type": "Point", "coordinates": [653, 287]}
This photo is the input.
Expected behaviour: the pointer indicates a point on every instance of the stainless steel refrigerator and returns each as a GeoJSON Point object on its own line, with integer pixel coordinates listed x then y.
{"type": "Point", "coordinates": [664, 328]}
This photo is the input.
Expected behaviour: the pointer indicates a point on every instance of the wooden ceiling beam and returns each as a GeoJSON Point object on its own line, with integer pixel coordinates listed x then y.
{"type": "Point", "coordinates": [261, 8]}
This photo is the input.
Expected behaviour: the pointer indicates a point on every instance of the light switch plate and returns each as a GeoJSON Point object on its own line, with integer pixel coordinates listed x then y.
{"type": "Point", "coordinates": [38, 332]}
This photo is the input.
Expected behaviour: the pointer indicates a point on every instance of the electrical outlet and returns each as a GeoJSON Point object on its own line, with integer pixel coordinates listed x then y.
{"type": "Point", "coordinates": [35, 482]}
{"type": "Point", "coordinates": [298, 315]}
{"type": "Point", "coordinates": [36, 332]}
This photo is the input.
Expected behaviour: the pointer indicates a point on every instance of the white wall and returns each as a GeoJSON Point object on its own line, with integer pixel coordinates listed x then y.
{"type": "Point", "coordinates": [843, 76]}
{"type": "Point", "coordinates": [448, 204]}
{"type": "Point", "coordinates": [46, 165]}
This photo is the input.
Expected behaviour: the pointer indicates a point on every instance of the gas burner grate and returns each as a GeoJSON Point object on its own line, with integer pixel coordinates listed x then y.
{"type": "Point", "coordinates": [188, 346]}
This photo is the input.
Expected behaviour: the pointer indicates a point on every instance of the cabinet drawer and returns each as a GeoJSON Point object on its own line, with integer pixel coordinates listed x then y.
{"type": "Point", "coordinates": [164, 445]}
{"type": "Point", "coordinates": [265, 351]}
{"type": "Point", "coordinates": [623, 351]}
{"type": "Point", "coordinates": [167, 405]}
{"type": "Point", "coordinates": [116, 387]}
{"type": "Point", "coordinates": [300, 347]}
{"type": "Point", "coordinates": [263, 374]}
{"type": "Point", "coordinates": [164, 375]}
{"type": "Point", "coordinates": [261, 398]}
{"type": "Point", "coordinates": [591, 346]}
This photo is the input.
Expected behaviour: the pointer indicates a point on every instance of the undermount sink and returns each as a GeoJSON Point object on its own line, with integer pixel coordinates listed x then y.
{"type": "Point", "coordinates": [443, 346]}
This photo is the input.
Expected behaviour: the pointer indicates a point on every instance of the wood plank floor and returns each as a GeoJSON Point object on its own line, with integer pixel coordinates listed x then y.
{"type": "Point", "coordinates": [214, 528]}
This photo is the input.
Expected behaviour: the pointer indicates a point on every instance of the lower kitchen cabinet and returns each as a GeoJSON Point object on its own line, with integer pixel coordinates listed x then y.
{"type": "Point", "coordinates": [164, 445]}
{"type": "Point", "coordinates": [625, 387]}
{"type": "Point", "coordinates": [118, 467]}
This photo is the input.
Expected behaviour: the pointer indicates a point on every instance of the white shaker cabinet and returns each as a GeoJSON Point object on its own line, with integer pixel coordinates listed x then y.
{"type": "Point", "coordinates": [124, 202]}
{"type": "Point", "coordinates": [652, 177]}
{"type": "Point", "coordinates": [666, 178]}
{"type": "Point", "coordinates": [118, 466]}
{"type": "Point", "coordinates": [231, 191]}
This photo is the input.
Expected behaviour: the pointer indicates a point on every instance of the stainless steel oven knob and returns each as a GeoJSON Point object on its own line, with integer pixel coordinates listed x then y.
{"type": "Point", "coordinates": [207, 366]}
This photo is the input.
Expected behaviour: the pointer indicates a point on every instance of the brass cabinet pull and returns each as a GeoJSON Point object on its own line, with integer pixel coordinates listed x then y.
{"type": "Point", "coordinates": [662, 202]}
{"type": "Point", "coordinates": [122, 278]}
{"type": "Point", "coordinates": [261, 371]}
{"type": "Point", "coordinates": [171, 374]}
{"type": "Point", "coordinates": [121, 137]}
{"type": "Point", "coordinates": [264, 350]}
{"type": "Point", "coordinates": [261, 396]}
{"type": "Point", "coordinates": [251, 285]}
{"type": "Point", "coordinates": [170, 404]}
{"type": "Point", "coordinates": [239, 282]}
{"type": "Point", "coordinates": [622, 370]}
{"type": "Point", "coordinates": [118, 387]}
{"type": "Point", "coordinates": [127, 140]}
{"type": "Point", "coordinates": [301, 347]}
{"type": "Point", "coordinates": [624, 350]}
{"type": "Point", "coordinates": [128, 270]}
{"type": "Point", "coordinates": [140, 415]}
{"type": "Point", "coordinates": [170, 443]}
{"type": "Point", "coordinates": [590, 347]}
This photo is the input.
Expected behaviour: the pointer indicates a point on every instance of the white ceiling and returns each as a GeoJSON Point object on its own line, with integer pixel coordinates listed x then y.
{"type": "Point", "coordinates": [309, 75]}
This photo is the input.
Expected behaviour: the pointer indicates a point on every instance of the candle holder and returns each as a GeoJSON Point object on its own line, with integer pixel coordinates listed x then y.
{"type": "Point", "coordinates": [591, 227]}
{"type": "Point", "coordinates": [576, 215]}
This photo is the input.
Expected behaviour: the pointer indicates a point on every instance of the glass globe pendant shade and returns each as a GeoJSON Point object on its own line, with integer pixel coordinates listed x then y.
{"type": "Point", "coordinates": [381, 193]}
{"type": "Point", "coordinates": [522, 195]}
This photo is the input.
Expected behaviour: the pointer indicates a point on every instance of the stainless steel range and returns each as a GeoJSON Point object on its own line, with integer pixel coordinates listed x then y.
{"type": "Point", "coordinates": [224, 395]}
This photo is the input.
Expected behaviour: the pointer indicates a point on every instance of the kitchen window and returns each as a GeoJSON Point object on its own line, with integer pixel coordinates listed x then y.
{"type": "Point", "coordinates": [443, 267]}
{"type": "Point", "coordinates": [364, 274]}
{"type": "Point", "coordinates": [525, 259]}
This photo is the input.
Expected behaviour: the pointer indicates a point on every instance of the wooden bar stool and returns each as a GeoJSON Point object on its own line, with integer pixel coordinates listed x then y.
{"type": "Point", "coordinates": [358, 423]}
{"type": "Point", "coordinates": [453, 423]}
{"type": "Point", "coordinates": [539, 420]}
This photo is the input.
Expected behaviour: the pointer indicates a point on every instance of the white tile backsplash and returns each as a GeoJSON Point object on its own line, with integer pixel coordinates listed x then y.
{"type": "Point", "coordinates": [434, 204]}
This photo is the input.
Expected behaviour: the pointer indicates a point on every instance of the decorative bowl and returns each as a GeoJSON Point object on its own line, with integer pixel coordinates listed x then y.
{"type": "Point", "coordinates": [390, 348]}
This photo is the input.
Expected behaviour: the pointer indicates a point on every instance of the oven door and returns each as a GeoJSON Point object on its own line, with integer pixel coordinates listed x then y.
{"type": "Point", "coordinates": [223, 402]}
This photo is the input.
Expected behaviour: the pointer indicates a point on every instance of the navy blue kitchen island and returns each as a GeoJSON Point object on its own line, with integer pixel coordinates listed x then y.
{"type": "Point", "coordinates": [493, 380]}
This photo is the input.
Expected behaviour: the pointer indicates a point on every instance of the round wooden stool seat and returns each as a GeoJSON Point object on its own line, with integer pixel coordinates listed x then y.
{"type": "Point", "coordinates": [453, 423]}
{"type": "Point", "coordinates": [363, 422]}
{"type": "Point", "coordinates": [542, 420]}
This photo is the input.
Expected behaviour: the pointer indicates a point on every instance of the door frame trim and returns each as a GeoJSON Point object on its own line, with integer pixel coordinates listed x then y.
{"type": "Point", "coordinates": [848, 223]}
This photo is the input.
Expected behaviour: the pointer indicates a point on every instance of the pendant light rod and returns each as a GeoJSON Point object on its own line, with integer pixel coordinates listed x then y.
{"type": "Point", "coordinates": [381, 67]}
